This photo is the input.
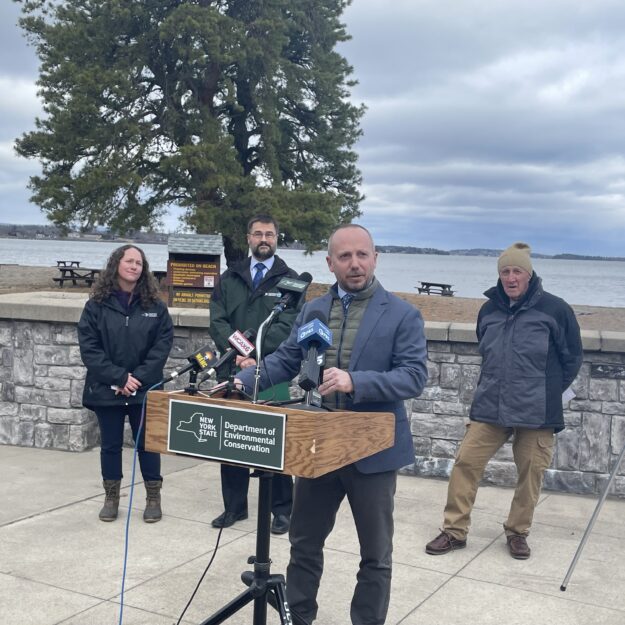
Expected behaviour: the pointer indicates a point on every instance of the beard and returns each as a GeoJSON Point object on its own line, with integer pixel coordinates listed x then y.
{"type": "Point", "coordinates": [266, 252]}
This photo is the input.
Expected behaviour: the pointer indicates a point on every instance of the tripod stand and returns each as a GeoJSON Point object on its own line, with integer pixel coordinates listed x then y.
{"type": "Point", "coordinates": [595, 514]}
{"type": "Point", "coordinates": [263, 587]}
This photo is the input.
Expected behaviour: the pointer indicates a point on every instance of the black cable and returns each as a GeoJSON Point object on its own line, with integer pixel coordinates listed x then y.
{"type": "Point", "coordinates": [197, 587]}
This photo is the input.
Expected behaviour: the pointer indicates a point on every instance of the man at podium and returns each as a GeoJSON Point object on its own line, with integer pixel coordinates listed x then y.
{"type": "Point", "coordinates": [377, 360]}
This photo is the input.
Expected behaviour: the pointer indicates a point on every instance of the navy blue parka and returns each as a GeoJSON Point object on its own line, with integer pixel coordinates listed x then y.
{"type": "Point", "coordinates": [531, 352]}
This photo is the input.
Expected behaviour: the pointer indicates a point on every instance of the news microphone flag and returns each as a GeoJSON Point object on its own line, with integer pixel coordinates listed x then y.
{"type": "Point", "coordinates": [315, 337]}
{"type": "Point", "coordinates": [198, 360]}
{"type": "Point", "coordinates": [292, 290]}
{"type": "Point", "coordinates": [315, 332]}
{"type": "Point", "coordinates": [239, 341]}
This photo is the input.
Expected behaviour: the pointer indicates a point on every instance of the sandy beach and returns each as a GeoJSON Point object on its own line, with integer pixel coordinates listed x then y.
{"type": "Point", "coordinates": [19, 279]}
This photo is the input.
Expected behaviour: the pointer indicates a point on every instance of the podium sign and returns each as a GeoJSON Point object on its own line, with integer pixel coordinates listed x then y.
{"type": "Point", "coordinates": [254, 438]}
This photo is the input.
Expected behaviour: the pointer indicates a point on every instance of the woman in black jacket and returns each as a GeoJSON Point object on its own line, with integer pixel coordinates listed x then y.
{"type": "Point", "coordinates": [125, 334]}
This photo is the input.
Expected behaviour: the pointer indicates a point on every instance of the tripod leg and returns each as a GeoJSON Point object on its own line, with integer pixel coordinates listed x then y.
{"type": "Point", "coordinates": [595, 514]}
{"type": "Point", "coordinates": [277, 600]}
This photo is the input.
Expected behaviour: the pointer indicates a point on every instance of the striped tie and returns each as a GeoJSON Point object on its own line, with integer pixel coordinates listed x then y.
{"type": "Point", "coordinates": [346, 300]}
{"type": "Point", "coordinates": [258, 276]}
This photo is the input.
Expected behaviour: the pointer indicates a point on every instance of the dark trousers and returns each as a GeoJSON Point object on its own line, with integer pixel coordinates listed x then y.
{"type": "Point", "coordinates": [316, 502]}
{"type": "Point", "coordinates": [111, 420]}
{"type": "Point", "coordinates": [235, 483]}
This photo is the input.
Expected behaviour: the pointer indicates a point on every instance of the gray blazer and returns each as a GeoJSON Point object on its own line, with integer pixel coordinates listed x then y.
{"type": "Point", "coordinates": [387, 366]}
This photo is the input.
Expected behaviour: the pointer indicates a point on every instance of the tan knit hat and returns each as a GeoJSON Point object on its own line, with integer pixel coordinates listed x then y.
{"type": "Point", "coordinates": [517, 255]}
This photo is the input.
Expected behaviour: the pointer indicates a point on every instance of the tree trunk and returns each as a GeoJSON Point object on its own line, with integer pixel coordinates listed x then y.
{"type": "Point", "coordinates": [232, 251]}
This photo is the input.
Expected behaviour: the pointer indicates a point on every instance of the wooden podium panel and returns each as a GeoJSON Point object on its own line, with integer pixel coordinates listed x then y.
{"type": "Point", "coordinates": [315, 442]}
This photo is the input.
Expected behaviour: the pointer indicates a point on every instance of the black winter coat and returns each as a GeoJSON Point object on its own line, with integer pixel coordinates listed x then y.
{"type": "Point", "coordinates": [531, 353]}
{"type": "Point", "coordinates": [115, 342]}
{"type": "Point", "coordinates": [236, 306]}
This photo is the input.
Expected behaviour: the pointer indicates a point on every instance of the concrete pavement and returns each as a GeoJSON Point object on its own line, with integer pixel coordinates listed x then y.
{"type": "Point", "coordinates": [60, 564]}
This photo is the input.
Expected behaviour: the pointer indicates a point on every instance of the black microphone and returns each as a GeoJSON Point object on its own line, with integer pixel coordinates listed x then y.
{"type": "Point", "coordinates": [292, 290]}
{"type": "Point", "coordinates": [315, 337]}
{"type": "Point", "coordinates": [242, 343]}
{"type": "Point", "coordinates": [198, 360]}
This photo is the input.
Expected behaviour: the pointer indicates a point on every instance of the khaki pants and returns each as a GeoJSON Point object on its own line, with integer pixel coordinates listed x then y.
{"type": "Point", "coordinates": [532, 450]}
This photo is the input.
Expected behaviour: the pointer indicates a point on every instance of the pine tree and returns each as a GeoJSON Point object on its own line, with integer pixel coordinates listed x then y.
{"type": "Point", "coordinates": [222, 107]}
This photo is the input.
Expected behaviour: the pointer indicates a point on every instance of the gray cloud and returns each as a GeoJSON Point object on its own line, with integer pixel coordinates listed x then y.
{"type": "Point", "coordinates": [485, 121]}
{"type": "Point", "coordinates": [489, 117]}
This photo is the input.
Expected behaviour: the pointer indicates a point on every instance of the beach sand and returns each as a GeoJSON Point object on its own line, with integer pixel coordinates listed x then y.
{"type": "Point", "coordinates": [20, 279]}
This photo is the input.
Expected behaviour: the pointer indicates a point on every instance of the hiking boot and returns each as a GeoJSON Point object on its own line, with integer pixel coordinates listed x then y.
{"type": "Point", "coordinates": [153, 512]}
{"type": "Point", "coordinates": [111, 501]}
{"type": "Point", "coordinates": [444, 543]}
{"type": "Point", "coordinates": [518, 547]}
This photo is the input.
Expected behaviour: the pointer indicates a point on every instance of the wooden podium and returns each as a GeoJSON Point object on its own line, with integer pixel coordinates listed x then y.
{"type": "Point", "coordinates": [315, 442]}
{"type": "Point", "coordinates": [311, 444]}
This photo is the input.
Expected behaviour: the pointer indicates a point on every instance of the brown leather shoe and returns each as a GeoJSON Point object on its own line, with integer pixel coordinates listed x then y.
{"type": "Point", "coordinates": [518, 547]}
{"type": "Point", "coordinates": [444, 543]}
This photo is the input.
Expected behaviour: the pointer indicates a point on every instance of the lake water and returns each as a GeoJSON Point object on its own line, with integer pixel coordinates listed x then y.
{"type": "Point", "coordinates": [595, 283]}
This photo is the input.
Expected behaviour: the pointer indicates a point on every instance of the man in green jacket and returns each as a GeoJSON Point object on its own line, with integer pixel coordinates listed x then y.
{"type": "Point", "coordinates": [243, 299]}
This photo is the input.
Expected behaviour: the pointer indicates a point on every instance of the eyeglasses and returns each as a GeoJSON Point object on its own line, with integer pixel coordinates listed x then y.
{"type": "Point", "coordinates": [263, 235]}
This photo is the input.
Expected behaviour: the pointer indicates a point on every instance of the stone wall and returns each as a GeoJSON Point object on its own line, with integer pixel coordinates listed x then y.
{"type": "Point", "coordinates": [586, 450]}
{"type": "Point", "coordinates": [41, 379]}
{"type": "Point", "coordinates": [42, 375]}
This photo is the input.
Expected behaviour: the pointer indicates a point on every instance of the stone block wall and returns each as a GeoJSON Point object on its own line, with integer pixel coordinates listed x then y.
{"type": "Point", "coordinates": [41, 380]}
{"type": "Point", "coordinates": [586, 450]}
{"type": "Point", "coordinates": [42, 375]}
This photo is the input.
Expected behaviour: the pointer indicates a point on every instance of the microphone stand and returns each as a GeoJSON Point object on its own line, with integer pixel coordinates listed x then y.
{"type": "Point", "coordinates": [263, 587]}
{"type": "Point", "coordinates": [259, 340]}
{"type": "Point", "coordinates": [192, 389]}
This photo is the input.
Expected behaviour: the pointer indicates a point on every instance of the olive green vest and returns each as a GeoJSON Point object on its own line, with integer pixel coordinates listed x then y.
{"type": "Point", "coordinates": [344, 329]}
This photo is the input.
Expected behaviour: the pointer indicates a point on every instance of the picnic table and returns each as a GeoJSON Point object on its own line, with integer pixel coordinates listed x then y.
{"type": "Point", "coordinates": [436, 288]}
{"type": "Point", "coordinates": [76, 274]}
{"type": "Point", "coordinates": [71, 271]}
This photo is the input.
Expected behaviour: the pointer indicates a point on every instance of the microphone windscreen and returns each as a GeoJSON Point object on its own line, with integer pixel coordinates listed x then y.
{"type": "Point", "coordinates": [315, 333]}
{"type": "Point", "coordinates": [305, 277]}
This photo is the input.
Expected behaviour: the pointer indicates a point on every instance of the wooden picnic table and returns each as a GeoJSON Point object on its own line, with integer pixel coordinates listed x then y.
{"type": "Point", "coordinates": [436, 288]}
{"type": "Point", "coordinates": [76, 275]}
{"type": "Point", "coordinates": [71, 271]}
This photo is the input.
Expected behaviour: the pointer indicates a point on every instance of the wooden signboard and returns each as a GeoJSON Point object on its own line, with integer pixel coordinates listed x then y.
{"type": "Point", "coordinates": [191, 275]}
{"type": "Point", "coordinates": [189, 298]}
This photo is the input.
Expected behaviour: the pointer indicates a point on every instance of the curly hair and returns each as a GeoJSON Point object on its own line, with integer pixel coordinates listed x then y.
{"type": "Point", "coordinates": [146, 288]}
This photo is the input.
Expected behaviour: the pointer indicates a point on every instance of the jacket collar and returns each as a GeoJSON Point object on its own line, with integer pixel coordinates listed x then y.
{"type": "Point", "coordinates": [242, 269]}
{"type": "Point", "coordinates": [498, 296]}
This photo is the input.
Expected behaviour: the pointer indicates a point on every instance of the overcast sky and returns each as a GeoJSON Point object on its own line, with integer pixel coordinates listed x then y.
{"type": "Point", "coordinates": [486, 123]}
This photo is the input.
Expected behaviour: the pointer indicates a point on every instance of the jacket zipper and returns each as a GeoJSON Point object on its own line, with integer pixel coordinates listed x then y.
{"type": "Point", "coordinates": [338, 354]}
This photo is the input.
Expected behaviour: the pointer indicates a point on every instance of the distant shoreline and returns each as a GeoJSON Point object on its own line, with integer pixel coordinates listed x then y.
{"type": "Point", "coordinates": [382, 249]}
{"type": "Point", "coordinates": [16, 278]}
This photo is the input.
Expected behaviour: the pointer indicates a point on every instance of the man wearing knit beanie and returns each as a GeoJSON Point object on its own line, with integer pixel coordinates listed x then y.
{"type": "Point", "coordinates": [531, 352]}
{"type": "Point", "coordinates": [515, 270]}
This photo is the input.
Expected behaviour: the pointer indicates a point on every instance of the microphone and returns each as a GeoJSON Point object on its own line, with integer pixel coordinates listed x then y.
{"type": "Point", "coordinates": [316, 337]}
{"type": "Point", "coordinates": [292, 290]}
{"type": "Point", "coordinates": [241, 344]}
{"type": "Point", "coordinates": [198, 360]}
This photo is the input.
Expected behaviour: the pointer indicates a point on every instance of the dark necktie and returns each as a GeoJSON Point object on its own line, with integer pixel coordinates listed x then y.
{"type": "Point", "coordinates": [346, 300]}
{"type": "Point", "coordinates": [258, 276]}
